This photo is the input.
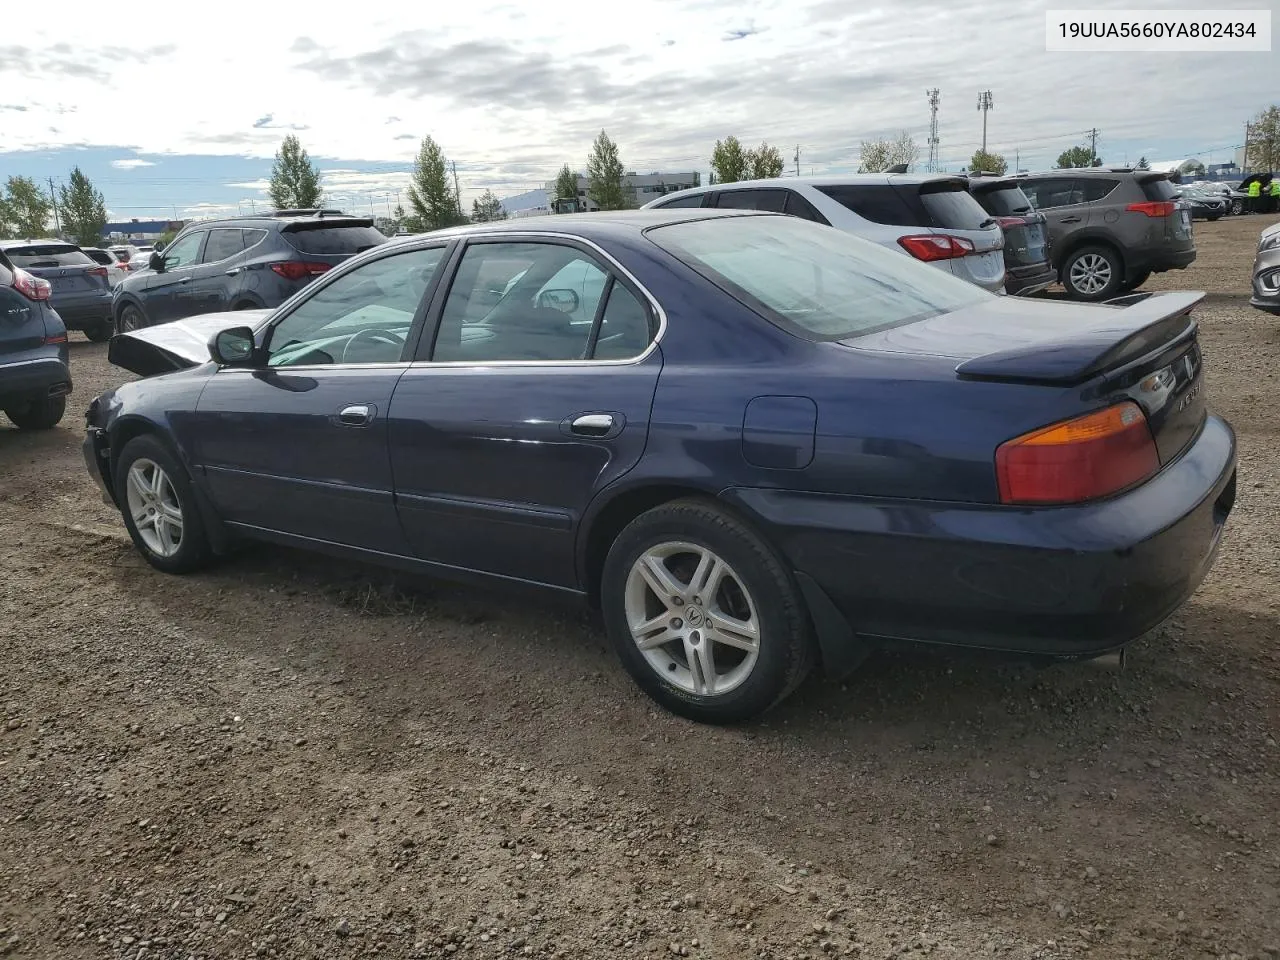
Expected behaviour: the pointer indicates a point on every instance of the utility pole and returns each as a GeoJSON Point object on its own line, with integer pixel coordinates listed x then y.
{"type": "Point", "coordinates": [457, 194]}
{"type": "Point", "coordinates": [1017, 159]}
{"type": "Point", "coordinates": [933, 95]}
{"type": "Point", "coordinates": [1248, 129]}
{"type": "Point", "coordinates": [1093, 145]}
{"type": "Point", "coordinates": [797, 159]}
{"type": "Point", "coordinates": [57, 224]}
{"type": "Point", "coordinates": [985, 103]}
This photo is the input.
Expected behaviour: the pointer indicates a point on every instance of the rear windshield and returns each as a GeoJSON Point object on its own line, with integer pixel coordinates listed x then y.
{"type": "Point", "coordinates": [100, 256]}
{"type": "Point", "coordinates": [1004, 201]}
{"type": "Point", "coordinates": [951, 207]}
{"type": "Point", "coordinates": [819, 283]}
{"type": "Point", "coordinates": [306, 238]}
{"type": "Point", "coordinates": [1158, 190]}
{"type": "Point", "coordinates": [47, 255]}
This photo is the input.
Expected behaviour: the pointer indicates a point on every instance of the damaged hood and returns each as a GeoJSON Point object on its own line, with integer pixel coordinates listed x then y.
{"type": "Point", "coordinates": [178, 345]}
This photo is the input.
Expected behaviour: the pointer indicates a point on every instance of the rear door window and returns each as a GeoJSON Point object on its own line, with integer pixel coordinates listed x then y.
{"type": "Point", "coordinates": [222, 245]}
{"type": "Point", "coordinates": [253, 237]}
{"type": "Point", "coordinates": [332, 238]}
{"type": "Point", "coordinates": [877, 202]}
{"type": "Point", "coordinates": [47, 255]}
{"type": "Point", "coordinates": [772, 201]}
{"type": "Point", "coordinates": [694, 201]}
{"type": "Point", "coordinates": [1095, 188]}
{"type": "Point", "coordinates": [1054, 192]}
{"type": "Point", "coordinates": [951, 206]}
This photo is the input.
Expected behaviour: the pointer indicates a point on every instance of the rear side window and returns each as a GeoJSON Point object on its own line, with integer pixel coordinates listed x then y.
{"type": "Point", "coordinates": [798, 206]}
{"type": "Point", "coordinates": [1054, 192]}
{"type": "Point", "coordinates": [331, 239]}
{"type": "Point", "coordinates": [253, 237]}
{"type": "Point", "coordinates": [1095, 188]}
{"type": "Point", "coordinates": [47, 255]}
{"type": "Point", "coordinates": [1158, 190]}
{"type": "Point", "coordinates": [693, 201]}
{"type": "Point", "coordinates": [1007, 201]}
{"type": "Point", "coordinates": [877, 202]}
{"type": "Point", "coordinates": [952, 207]}
{"type": "Point", "coordinates": [771, 201]}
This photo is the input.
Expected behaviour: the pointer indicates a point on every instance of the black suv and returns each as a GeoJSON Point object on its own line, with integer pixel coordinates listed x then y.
{"type": "Point", "coordinates": [35, 377]}
{"type": "Point", "coordinates": [1026, 239]}
{"type": "Point", "coordinates": [243, 263]}
{"type": "Point", "coordinates": [1111, 227]}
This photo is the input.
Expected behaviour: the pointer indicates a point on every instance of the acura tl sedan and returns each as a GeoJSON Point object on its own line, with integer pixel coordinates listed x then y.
{"type": "Point", "coordinates": [758, 444]}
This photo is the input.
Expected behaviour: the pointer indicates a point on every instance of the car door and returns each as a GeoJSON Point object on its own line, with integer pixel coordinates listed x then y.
{"type": "Point", "coordinates": [516, 412]}
{"type": "Point", "coordinates": [216, 277]}
{"type": "Point", "coordinates": [296, 443]}
{"type": "Point", "coordinates": [1062, 201]}
{"type": "Point", "coordinates": [166, 294]}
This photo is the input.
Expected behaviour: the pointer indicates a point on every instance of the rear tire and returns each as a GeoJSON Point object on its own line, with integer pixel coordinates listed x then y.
{"type": "Point", "coordinates": [1092, 273]}
{"type": "Point", "coordinates": [38, 414]}
{"type": "Point", "coordinates": [159, 507]}
{"type": "Point", "coordinates": [99, 332]}
{"type": "Point", "coordinates": [694, 600]}
{"type": "Point", "coordinates": [131, 318]}
{"type": "Point", "coordinates": [1137, 281]}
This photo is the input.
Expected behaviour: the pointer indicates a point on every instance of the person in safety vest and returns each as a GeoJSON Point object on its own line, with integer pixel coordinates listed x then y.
{"type": "Point", "coordinates": [1274, 194]}
{"type": "Point", "coordinates": [1255, 194]}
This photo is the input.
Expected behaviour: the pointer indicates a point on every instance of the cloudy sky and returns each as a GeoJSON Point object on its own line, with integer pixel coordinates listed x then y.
{"type": "Point", "coordinates": [181, 112]}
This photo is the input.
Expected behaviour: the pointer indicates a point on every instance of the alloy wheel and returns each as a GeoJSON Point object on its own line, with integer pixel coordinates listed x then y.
{"type": "Point", "coordinates": [1090, 274]}
{"type": "Point", "coordinates": [692, 618]}
{"type": "Point", "coordinates": [154, 506]}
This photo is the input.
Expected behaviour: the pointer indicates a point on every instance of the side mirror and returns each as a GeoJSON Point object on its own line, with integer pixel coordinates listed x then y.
{"type": "Point", "coordinates": [159, 245]}
{"type": "Point", "coordinates": [232, 347]}
{"type": "Point", "coordinates": [566, 301]}
{"type": "Point", "coordinates": [156, 262]}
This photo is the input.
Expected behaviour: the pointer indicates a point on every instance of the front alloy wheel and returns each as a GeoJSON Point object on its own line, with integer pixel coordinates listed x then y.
{"type": "Point", "coordinates": [155, 507]}
{"type": "Point", "coordinates": [159, 506]}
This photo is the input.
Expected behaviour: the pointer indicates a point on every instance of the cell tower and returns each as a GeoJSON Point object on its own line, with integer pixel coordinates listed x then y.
{"type": "Point", "coordinates": [985, 103]}
{"type": "Point", "coordinates": [933, 131]}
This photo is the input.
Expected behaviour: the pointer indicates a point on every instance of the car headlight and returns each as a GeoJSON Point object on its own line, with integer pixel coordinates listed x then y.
{"type": "Point", "coordinates": [1269, 243]}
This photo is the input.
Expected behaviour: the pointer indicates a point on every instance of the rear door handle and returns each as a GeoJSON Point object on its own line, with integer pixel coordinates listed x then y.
{"type": "Point", "coordinates": [592, 424]}
{"type": "Point", "coordinates": [233, 271]}
{"type": "Point", "coordinates": [356, 415]}
{"type": "Point", "coordinates": [1069, 220]}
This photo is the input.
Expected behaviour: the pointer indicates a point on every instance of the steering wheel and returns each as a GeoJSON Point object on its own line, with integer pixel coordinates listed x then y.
{"type": "Point", "coordinates": [374, 335]}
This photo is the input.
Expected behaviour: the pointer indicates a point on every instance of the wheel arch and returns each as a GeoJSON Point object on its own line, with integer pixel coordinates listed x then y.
{"type": "Point", "coordinates": [1089, 239]}
{"type": "Point", "coordinates": [123, 300]}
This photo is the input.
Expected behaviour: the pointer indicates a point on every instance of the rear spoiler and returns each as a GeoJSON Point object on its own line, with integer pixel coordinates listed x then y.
{"type": "Point", "coordinates": [324, 223]}
{"type": "Point", "coordinates": [983, 184]}
{"type": "Point", "coordinates": [1153, 175]}
{"type": "Point", "coordinates": [1132, 330]}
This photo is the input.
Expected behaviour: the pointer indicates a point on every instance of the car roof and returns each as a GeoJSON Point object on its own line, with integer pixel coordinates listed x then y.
{"type": "Point", "coordinates": [30, 241]}
{"type": "Point", "coordinates": [287, 216]}
{"type": "Point", "coordinates": [828, 180]}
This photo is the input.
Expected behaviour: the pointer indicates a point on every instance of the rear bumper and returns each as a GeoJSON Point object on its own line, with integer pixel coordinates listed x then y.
{"type": "Point", "coordinates": [1062, 582]}
{"type": "Point", "coordinates": [79, 312]}
{"type": "Point", "coordinates": [1024, 281]}
{"type": "Point", "coordinates": [36, 378]}
{"type": "Point", "coordinates": [1160, 261]}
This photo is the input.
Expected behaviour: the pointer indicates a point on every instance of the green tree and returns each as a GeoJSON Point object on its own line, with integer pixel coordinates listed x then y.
{"type": "Point", "coordinates": [1079, 156]}
{"type": "Point", "coordinates": [295, 181]}
{"type": "Point", "coordinates": [167, 237]}
{"type": "Point", "coordinates": [728, 161]}
{"type": "Point", "coordinates": [431, 192]}
{"type": "Point", "coordinates": [1143, 164]}
{"type": "Point", "coordinates": [25, 208]}
{"type": "Point", "coordinates": [84, 212]}
{"type": "Point", "coordinates": [1262, 152]}
{"type": "Point", "coordinates": [487, 207]}
{"type": "Point", "coordinates": [605, 175]}
{"type": "Point", "coordinates": [566, 184]}
{"type": "Point", "coordinates": [764, 163]}
{"type": "Point", "coordinates": [878, 155]}
{"type": "Point", "coordinates": [988, 162]}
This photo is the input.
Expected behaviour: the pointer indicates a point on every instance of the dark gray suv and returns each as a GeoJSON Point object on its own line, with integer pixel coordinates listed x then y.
{"type": "Point", "coordinates": [245, 263]}
{"type": "Point", "coordinates": [1110, 228]}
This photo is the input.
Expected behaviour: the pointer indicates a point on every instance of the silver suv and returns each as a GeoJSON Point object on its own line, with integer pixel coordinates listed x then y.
{"type": "Point", "coordinates": [1110, 228]}
{"type": "Point", "coordinates": [932, 217]}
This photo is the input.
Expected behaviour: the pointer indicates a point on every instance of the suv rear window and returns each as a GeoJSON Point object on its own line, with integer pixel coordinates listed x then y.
{"type": "Point", "coordinates": [100, 256]}
{"type": "Point", "coordinates": [952, 207]}
{"type": "Point", "coordinates": [47, 255]}
{"type": "Point", "coordinates": [877, 202]}
{"type": "Point", "coordinates": [1006, 201]}
{"type": "Point", "coordinates": [1160, 189]}
{"type": "Point", "coordinates": [329, 238]}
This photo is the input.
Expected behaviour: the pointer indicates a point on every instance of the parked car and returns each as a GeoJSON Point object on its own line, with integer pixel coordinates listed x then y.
{"type": "Point", "coordinates": [116, 270]}
{"type": "Point", "coordinates": [35, 373]}
{"type": "Point", "coordinates": [242, 263]}
{"type": "Point", "coordinates": [1229, 190]}
{"type": "Point", "coordinates": [758, 444]}
{"type": "Point", "coordinates": [81, 291]}
{"type": "Point", "coordinates": [931, 217]}
{"type": "Point", "coordinates": [1266, 271]}
{"type": "Point", "coordinates": [1203, 204]}
{"type": "Point", "coordinates": [1111, 228]}
{"type": "Point", "coordinates": [1026, 240]}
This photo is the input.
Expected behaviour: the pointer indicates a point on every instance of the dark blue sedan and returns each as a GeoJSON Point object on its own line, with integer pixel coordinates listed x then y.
{"type": "Point", "coordinates": [757, 443]}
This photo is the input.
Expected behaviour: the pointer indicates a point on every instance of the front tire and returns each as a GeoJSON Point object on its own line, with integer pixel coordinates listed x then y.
{"type": "Point", "coordinates": [1237, 207]}
{"type": "Point", "coordinates": [42, 414]}
{"type": "Point", "coordinates": [159, 507]}
{"type": "Point", "coordinates": [704, 614]}
{"type": "Point", "coordinates": [130, 319]}
{"type": "Point", "coordinates": [1092, 274]}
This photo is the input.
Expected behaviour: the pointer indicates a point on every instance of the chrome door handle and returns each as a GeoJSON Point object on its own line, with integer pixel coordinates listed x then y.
{"type": "Point", "coordinates": [185, 280]}
{"type": "Point", "coordinates": [592, 424]}
{"type": "Point", "coordinates": [356, 415]}
{"type": "Point", "coordinates": [233, 271]}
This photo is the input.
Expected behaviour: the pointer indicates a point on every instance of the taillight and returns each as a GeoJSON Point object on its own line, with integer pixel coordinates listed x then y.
{"type": "Point", "coordinates": [1007, 222]}
{"type": "Point", "coordinates": [1153, 208]}
{"type": "Point", "coordinates": [931, 247]}
{"type": "Point", "coordinates": [31, 287]}
{"type": "Point", "coordinates": [96, 271]}
{"type": "Point", "coordinates": [299, 269]}
{"type": "Point", "coordinates": [1083, 458]}
{"type": "Point", "coordinates": [56, 338]}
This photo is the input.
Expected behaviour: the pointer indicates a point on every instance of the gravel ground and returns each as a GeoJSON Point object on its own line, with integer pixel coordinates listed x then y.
{"type": "Point", "coordinates": [289, 757]}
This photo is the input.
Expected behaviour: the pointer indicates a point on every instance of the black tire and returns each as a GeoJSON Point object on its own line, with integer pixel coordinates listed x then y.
{"type": "Point", "coordinates": [99, 332]}
{"type": "Point", "coordinates": [1237, 207]}
{"type": "Point", "coordinates": [193, 549]}
{"type": "Point", "coordinates": [1096, 255]}
{"type": "Point", "coordinates": [1137, 281]}
{"type": "Point", "coordinates": [131, 318]}
{"type": "Point", "coordinates": [785, 644]}
{"type": "Point", "coordinates": [42, 414]}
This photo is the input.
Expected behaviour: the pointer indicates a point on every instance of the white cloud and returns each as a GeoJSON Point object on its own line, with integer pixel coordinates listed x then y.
{"type": "Point", "coordinates": [132, 164]}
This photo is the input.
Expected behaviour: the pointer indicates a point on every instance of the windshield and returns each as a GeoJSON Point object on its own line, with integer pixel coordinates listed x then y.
{"type": "Point", "coordinates": [47, 255]}
{"type": "Point", "coordinates": [821, 283]}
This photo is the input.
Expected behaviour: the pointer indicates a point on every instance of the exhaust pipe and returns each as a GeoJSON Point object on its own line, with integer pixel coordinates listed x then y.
{"type": "Point", "coordinates": [1112, 662]}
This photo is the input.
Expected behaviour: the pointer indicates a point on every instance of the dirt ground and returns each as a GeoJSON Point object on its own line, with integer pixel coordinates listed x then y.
{"type": "Point", "coordinates": [291, 757]}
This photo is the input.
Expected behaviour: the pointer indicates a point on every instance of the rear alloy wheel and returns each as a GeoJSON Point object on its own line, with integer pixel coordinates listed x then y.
{"type": "Point", "coordinates": [159, 507]}
{"type": "Point", "coordinates": [1092, 273]}
{"type": "Point", "coordinates": [131, 319]}
{"type": "Point", "coordinates": [1237, 207]}
{"type": "Point", "coordinates": [703, 614]}
{"type": "Point", "coordinates": [38, 414]}
{"type": "Point", "coordinates": [99, 332]}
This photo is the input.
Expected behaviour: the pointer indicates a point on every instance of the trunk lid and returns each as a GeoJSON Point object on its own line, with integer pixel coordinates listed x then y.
{"type": "Point", "coordinates": [178, 345]}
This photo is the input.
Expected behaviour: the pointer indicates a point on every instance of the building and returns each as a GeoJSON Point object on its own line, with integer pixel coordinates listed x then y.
{"type": "Point", "coordinates": [643, 187]}
{"type": "Point", "coordinates": [122, 231]}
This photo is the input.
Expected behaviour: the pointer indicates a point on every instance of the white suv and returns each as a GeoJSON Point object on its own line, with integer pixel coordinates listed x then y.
{"type": "Point", "coordinates": [931, 217]}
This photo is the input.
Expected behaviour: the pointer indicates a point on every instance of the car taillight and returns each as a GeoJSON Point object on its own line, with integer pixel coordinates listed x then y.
{"type": "Point", "coordinates": [56, 338]}
{"type": "Point", "coordinates": [96, 271]}
{"type": "Point", "coordinates": [299, 269]}
{"type": "Point", "coordinates": [931, 247]}
{"type": "Point", "coordinates": [1153, 208]}
{"type": "Point", "coordinates": [1006, 222]}
{"type": "Point", "coordinates": [1083, 458]}
{"type": "Point", "coordinates": [31, 287]}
